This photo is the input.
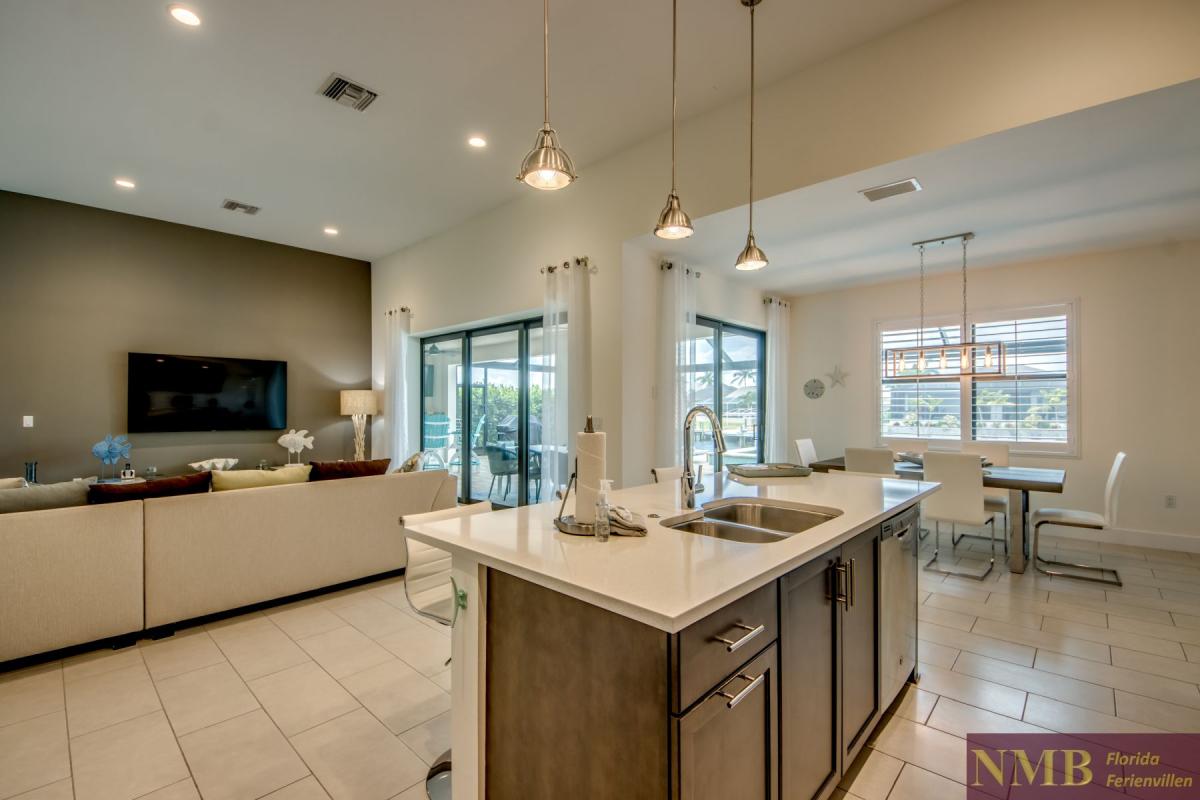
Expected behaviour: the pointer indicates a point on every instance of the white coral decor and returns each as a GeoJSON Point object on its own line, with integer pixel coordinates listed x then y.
{"type": "Point", "coordinates": [295, 441]}
{"type": "Point", "coordinates": [215, 464]}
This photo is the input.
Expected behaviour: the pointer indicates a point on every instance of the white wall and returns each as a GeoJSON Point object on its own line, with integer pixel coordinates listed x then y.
{"type": "Point", "coordinates": [977, 68]}
{"type": "Point", "coordinates": [1135, 352]}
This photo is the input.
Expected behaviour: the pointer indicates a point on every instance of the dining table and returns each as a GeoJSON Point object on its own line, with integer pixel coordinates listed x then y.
{"type": "Point", "coordinates": [1018, 481]}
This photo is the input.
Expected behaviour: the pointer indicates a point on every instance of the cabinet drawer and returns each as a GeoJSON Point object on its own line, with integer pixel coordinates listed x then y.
{"type": "Point", "coordinates": [708, 651]}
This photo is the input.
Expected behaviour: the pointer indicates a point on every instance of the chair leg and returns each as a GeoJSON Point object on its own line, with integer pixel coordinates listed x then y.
{"type": "Point", "coordinates": [955, 573]}
{"type": "Point", "coordinates": [1038, 561]}
{"type": "Point", "coordinates": [492, 489]}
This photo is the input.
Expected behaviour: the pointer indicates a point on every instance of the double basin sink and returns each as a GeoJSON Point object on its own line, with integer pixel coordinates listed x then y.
{"type": "Point", "coordinates": [752, 521]}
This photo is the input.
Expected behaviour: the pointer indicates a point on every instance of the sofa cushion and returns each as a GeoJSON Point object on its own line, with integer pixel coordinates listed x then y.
{"type": "Point", "coordinates": [254, 478]}
{"type": "Point", "coordinates": [160, 487]}
{"type": "Point", "coordinates": [332, 470]}
{"type": "Point", "coordinates": [44, 495]}
{"type": "Point", "coordinates": [12, 483]}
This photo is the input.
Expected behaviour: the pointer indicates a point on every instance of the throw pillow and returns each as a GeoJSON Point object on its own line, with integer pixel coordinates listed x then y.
{"type": "Point", "coordinates": [43, 496]}
{"type": "Point", "coordinates": [332, 470]}
{"type": "Point", "coordinates": [225, 480]}
{"type": "Point", "coordinates": [411, 463]}
{"type": "Point", "coordinates": [100, 493]}
{"type": "Point", "coordinates": [12, 483]}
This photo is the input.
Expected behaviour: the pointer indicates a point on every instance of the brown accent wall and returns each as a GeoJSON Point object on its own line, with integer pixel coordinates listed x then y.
{"type": "Point", "coordinates": [80, 288]}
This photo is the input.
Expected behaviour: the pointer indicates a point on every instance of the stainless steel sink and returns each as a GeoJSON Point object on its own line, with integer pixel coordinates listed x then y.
{"type": "Point", "coordinates": [781, 519]}
{"type": "Point", "coordinates": [725, 530]}
{"type": "Point", "coordinates": [752, 521]}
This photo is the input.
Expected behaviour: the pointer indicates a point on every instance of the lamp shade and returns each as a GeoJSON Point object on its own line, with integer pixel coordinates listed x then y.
{"type": "Point", "coordinates": [359, 401]}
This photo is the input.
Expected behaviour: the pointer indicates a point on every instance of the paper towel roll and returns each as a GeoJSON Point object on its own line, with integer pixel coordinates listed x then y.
{"type": "Point", "coordinates": [589, 449]}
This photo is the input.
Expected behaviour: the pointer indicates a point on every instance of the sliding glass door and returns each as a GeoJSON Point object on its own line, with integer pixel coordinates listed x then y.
{"type": "Point", "coordinates": [728, 376]}
{"type": "Point", "coordinates": [481, 411]}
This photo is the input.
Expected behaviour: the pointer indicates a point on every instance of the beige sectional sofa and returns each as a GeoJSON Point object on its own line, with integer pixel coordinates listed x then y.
{"type": "Point", "coordinates": [75, 575]}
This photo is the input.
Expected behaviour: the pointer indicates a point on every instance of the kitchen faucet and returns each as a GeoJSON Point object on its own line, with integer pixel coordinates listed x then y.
{"type": "Point", "coordinates": [688, 481]}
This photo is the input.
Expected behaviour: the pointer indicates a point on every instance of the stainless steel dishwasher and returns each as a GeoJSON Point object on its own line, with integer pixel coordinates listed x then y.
{"type": "Point", "coordinates": [898, 602]}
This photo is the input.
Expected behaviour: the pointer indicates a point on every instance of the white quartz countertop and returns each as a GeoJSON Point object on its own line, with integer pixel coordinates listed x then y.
{"type": "Point", "coordinates": [669, 579]}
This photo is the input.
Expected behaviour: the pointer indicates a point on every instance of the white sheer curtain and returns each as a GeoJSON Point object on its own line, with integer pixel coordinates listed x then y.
{"type": "Point", "coordinates": [395, 386]}
{"type": "Point", "coordinates": [778, 334]}
{"type": "Point", "coordinates": [676, 358]}
{"type": "Point", "coordinates": [567, 377]}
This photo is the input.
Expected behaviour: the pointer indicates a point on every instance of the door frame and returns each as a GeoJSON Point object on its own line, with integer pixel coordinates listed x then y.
{"type": "Point", "coordinates": [464, 337]}
{"type": "Point", "coordinates": [719, 328]}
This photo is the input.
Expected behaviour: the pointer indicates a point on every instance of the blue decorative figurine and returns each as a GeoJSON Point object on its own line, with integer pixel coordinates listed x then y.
{"type": "Point", "coordinates": [110, 451]}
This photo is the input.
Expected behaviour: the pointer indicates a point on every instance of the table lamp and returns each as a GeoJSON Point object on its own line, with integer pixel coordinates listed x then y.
{"type": "Point", "coordinates": [358, 404]}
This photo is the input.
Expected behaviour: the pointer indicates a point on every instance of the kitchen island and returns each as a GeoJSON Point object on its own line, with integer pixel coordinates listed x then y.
{"type": "Point", "coordinates": [676, 664]}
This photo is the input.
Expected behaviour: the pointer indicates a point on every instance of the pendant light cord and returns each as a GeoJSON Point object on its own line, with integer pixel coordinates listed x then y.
{"type": "Point", "coordinates": [751, 120]}
{"type": "Point", "coordinates": [674, 97]}
{"type": "Point", "coordinates": [921, 330]}
{"type": "Point", "coordinates": [546, 62]}
{"type": "Point", "coordinates": [964, 284]}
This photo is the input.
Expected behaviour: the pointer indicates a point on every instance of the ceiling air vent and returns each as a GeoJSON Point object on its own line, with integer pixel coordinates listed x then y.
{"type": "Point", "coordinates": [891, 189]}
{"type": "Point", "coordinates": [346, 92]}
{"type": "Point", "coordinates": [245, 208]}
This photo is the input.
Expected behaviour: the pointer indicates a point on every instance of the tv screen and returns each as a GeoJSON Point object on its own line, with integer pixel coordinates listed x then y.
{"type": "Point", "coordinates": [195, 393]}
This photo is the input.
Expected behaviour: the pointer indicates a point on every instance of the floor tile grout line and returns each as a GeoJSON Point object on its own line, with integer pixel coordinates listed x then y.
{"type": "Point", "coordinates": [174, 733]}
{"type": "Point", "coordinates": [62, 711]}
{"type": "Point", "coordinates": [189, 779]}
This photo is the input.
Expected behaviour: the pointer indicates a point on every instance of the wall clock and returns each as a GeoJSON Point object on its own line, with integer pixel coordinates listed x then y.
{"type": "Point", "coordinates": [814, 389]}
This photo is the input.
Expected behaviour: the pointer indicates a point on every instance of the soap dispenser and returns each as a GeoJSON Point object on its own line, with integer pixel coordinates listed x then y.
{"type": "Point", "coordinates": [602, 525]}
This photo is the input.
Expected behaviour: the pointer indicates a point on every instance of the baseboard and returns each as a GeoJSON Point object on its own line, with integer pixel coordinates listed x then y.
{"type": "Point", "coordinates": [1162, 540]}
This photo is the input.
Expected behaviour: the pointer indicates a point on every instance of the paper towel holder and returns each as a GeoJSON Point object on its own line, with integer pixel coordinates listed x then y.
{"type": "Point", "coordinates": [568, 524]}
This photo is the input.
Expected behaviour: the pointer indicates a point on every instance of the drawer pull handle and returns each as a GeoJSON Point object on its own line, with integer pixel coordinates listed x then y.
{"type": "Point", "coordinates": [733, 646]}
{"type": "Point", "coordinates": [734, 699]}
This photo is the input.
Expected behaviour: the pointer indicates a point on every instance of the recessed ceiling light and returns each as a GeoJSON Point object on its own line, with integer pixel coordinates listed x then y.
{"type": "Point", "coordinates": [477, 141]}
{"type": "Point", "coordinates": [184, 14]}
{"type": "Point", "coordinates": [125, 183]}
{"type": "Point", "coordinates": [331, 231]}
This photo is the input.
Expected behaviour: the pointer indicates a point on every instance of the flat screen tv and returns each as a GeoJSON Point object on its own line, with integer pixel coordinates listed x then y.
{"type": "Point", "coordinates": [197, 393]}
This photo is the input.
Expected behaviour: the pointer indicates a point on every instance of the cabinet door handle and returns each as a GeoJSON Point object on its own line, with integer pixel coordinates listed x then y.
{"type": "Point", "coordinates": [839, 572]}
{"type": "Point", "coordinates": [733, 646]}
{"type": "Point", "coordinates": [850, 585]}
{"type": "Point", "coordinates": [734, 699]}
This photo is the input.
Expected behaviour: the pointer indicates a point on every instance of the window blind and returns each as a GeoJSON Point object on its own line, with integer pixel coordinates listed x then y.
{"type": "Point", "coordinates": [1031, 405]}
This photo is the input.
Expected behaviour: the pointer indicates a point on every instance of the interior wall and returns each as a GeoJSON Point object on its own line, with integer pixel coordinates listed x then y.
{"type": "Point", "coordinates": [1014, 62]}
{"type": "Point", "coordinates": [80, 288]}
{"type": "Point", "coordinates": [1135, 333]}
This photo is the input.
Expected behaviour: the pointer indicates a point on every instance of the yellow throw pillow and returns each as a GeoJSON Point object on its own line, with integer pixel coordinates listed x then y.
{"type": "Point", "coordinates": [254, 478]}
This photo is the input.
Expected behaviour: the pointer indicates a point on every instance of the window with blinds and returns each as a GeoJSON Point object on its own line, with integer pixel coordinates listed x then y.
{"type": "Point", "coordinates": [1030, 407]}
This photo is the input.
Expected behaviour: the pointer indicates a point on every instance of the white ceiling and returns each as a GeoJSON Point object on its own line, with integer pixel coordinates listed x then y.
{"type": "Point", "coordinates": [92, 90]}
{"type": "Point", "coordinates": [1121, 174]}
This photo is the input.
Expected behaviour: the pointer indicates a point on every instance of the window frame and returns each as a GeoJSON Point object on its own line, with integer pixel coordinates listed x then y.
{"type": "Point", "coordinates": [719, 328]}
{"type": "Point", "coordinates": [1067, 308]}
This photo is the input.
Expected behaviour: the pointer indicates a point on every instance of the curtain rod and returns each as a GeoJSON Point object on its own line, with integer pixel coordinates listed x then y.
{"type": "Point", "coordinates": [400, 310]}
{"type": "Point", "coordinates": [582, 261]}
{"type": "Point", "coordinates": [777, 301]}
{"type": "Point", "coordinates": [668, 265]}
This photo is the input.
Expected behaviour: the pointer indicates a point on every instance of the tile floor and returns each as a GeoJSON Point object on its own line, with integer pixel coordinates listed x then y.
{"type": "Point", "coordinates": [344, 696]}
{"type": "Point", "coordinates": [340, 696]}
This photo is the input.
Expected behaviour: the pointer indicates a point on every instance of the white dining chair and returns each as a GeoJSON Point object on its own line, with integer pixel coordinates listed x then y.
{"type": "Point", "coordinates": [666, 474]}
{"type": "Point", "coordinates": [959, 501]}
{"type": "Point", "coordinates": [1081, 519]}
{"type": "Point", "coordinates": [432, 594]}
{"type": "Point", "coordinates": [994, 500]}
{"type": "Point", "coordinates": [875, 460]}
{"type": "Point", "coordinates": [806, 451]}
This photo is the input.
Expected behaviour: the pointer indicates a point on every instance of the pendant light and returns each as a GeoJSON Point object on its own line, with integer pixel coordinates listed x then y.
{"type": "Point", "coordinates": [751, 257]}
{"type": "Point", "coordinates": [978, 360]}
{"type": "Point", "coordinates": [673, 222]}
{"type": "Point", "coordinates": [547, 166]}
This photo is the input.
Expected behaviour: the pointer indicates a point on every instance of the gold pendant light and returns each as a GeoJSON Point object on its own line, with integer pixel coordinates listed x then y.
{"type": "Point", "coordinates": [547, 166]}
{"type": "Point", "coordinates": [751, 257]}
{"type": "Point", "coordinates": [673, 222]}
{"type": "Point", "coordinates": [978, 360]}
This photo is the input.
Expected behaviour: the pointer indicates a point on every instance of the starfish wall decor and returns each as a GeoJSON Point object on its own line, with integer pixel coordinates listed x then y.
{"type": "Point", "coordinates": [837, 377]}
